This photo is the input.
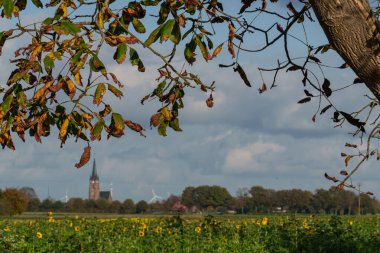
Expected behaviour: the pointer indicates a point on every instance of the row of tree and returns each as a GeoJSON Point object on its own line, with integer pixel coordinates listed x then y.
{"type": "Point", "coordinates": [205, 198]}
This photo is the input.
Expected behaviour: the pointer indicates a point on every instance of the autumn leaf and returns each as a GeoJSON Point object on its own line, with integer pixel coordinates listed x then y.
{"type": "Point", "coordinates": [84, 158]}
{"type": "Point", "coordinates": [155, 119]}
{"type": "Point", "coordinates": [263, 88]}
{"type": "Point", "coordinates": [347, 160]}
{"type": "Point", "coordinates": [217, 50]}
{"type": "Point", "coordinates": [210, 101]}
{"type": "Point", "coordinates": [304, 100]}
{"type": "Point", "coordinates": [135, 127]}
{"type": "Point", "coordinates": [343, 173]}
{"type": "Point", "coordinates": [326, 87]}
{"type": "Point", "coordinates": [63, 130]}
{"type": "Point", "coordinates": [242, 74]}
{"type": "Point", "coordinates": [331, 178]}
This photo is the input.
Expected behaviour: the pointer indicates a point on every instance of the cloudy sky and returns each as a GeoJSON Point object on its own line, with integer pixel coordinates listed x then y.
{"type": "Point", "coordinates": [246, 139]}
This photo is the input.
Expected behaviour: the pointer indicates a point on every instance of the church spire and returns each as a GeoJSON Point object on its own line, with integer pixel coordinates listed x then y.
{"type": "Point", "coordinates": [94, 175]}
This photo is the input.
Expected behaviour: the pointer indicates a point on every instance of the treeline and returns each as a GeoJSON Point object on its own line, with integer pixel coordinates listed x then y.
{"type": "Point", "coordinates": [210, 199]}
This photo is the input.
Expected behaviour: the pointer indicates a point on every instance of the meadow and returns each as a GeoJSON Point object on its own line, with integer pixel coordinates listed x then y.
{"type": "Point", "coordinates": [274, 233]}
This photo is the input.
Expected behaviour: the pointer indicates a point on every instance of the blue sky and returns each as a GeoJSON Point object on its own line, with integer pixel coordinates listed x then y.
{"type": "Point", "coordinates": [246, 139]}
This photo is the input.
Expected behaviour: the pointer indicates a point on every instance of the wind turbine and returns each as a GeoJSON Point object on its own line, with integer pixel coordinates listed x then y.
{"type": "Point", "coordinates": [155, 198]}
{"type": "Point", "coordinates": [66, 198]}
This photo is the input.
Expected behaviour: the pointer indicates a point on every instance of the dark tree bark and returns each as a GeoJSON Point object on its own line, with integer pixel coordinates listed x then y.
{"type": "Point", "coordinates": [353, 31]}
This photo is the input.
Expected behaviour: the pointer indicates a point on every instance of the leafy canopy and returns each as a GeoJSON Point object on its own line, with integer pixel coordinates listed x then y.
{"type": "Point", "coordinates": [61, 80]}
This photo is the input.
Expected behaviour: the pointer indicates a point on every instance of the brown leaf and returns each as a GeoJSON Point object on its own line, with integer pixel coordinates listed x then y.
{"type": "Point", "coordinates": [347, 160]}
{"type": "Point", "coordinates": [341, 186]}
{"type": "Point", "coordinates": [325, 109]}
{"type": "Point", "coordinates": [155, 119]}
{"type": "Point", "coordinates": [263, 88]}
{"type": "Point", "coordinates": [242, 74]}
{"type": "Point", "coordinates": [291, 8]}
{"type": "Point", "coordinates": [351, 145]}
{"type": "Point", "coordinates": [343, 173]}
{"type": "Point", "coordinates": [210, 101]}
{"type": "Point", "coordinates": [144, 99]}
{"type": "Point", "coordinates": [279, 28]}
{"type": "Point", "coordinates": [343, 154]}
{"type": "Point", "coordinates": [326, 87]}
{"type": "Point", "coordinates": [304, 100]}
{"type": "Point", "coordinates": [217, 50]}
{"type": "Point", "coordinates": [331, 178]}
{"type": "Point", "coordinates": [135, 127]}
{"type": "Point", "coordinates": [84, 158]}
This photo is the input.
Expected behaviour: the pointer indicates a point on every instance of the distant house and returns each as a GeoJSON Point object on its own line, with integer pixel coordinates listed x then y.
{"type": "Point", "coordinates": [178, 206]}
{"type": "Point", "coordinates": [94, 192]}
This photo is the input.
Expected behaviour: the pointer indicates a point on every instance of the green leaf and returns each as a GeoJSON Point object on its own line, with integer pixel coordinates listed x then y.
{"type": "Point", "coordinates": [153, 37]}
{"type": "Point", "coordinates": [189, 51]}
{"type": "Point", "coordinates": [48, 21]}
{"type": "Point", "coordinates": [97, 130]}
{"type": "Point", "coordinates": [97, 65]}
{"type": "Point", "coordinates": [160, 88]}
{"type": "Point", "coordinates": [8, 8]}
{"type": "Point", "coordinates": [49, 63]}
{"type": "Point", "coordinates": [99, 92]}
{"type": "Point", "coordinates": [115, 90]}
{"type": "Point", "coordinates": [135, 60]}
{"type": "Point", "coordinates": [175, 125]}
{"type": "Point", "coordinates": [37, 3]}
{"type": "Point", "coordinates": [120, 53]}
{"type": "Point", "coordinates": [164, 13]}
{"type": "Point", "coordinates": [167, 30]}
{"type": "Point", "coordinates": [162, 128]}
{"type": "Point", "coordinates": [5, 106]}
{"type": "Point", "coordinates": [202, 46]}
{"type": "Point", "coordinates": [117, 121]}
{"type": "Point", "coordinates": [175, 36]}
{"type": "Point", "coordinates": [66, 27]}
{"type": "Point", "coordinates": [139, 27]}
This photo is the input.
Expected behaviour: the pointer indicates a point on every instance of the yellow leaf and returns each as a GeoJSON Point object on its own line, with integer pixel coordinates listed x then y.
{"type": "Point", "coordinates": [63, 130]}
{"type": "Point", "coordinates": [217, 50]}
{"type": "Point", "coordinates": [78, 79]}
{"type": "Point", "coordinates": [70, 88]}
{"type": "Point", "coordinates": [99, 20]}
{"type": "Point", "coordinates": [63, 7]}
{"type": "Point", "coordinates": [166, 113]}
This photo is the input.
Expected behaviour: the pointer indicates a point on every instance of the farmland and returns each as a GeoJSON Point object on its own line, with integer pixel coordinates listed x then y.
{"type": "Point", "coordinates": [281, 233]}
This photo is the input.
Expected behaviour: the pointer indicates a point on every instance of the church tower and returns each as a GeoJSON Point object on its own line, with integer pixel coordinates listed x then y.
{"type": "Point", "coordinates": [93, 192]}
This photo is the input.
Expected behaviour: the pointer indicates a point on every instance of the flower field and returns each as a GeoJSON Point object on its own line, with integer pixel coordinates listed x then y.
{"type": "Point", "coordinates": [192, 234]}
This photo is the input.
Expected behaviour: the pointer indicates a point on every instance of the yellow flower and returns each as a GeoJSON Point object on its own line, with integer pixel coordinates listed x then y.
{"type": "Point", "coordinates": [6, 229]}
{"type": "Point", "coordinates": [264, 221]}
{"type": "Point", "coordinates": [198, 229]}
{"type": "Point", "coordinates": [77, 228]}
{"type": "Point", "coordinates": [258, 222]}
{"type": "Point", "coordinates": [39, 235]}
{"type": "Point", "coordinates": [141, 233]}
{"type": "Point", "coordinates": [158, 230]}
{"type": "Point", "coordinates": [237, 226]}
{"type": "Point", "coordinates": [50, 213]}
{"type": "Point", "coordinates": [76, 217]}
{"type": "Point", "coordinates": [351, 222]}
{"type": "Point", "coordinates": [71, 224]}
{"type": "Point", "coordinates": [51, 219]}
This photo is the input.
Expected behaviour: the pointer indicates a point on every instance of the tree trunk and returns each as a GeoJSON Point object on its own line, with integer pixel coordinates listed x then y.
{"type": "Point", "coordinates": [353, 31]}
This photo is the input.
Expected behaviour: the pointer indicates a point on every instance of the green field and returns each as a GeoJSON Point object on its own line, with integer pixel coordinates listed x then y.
{"type": "Point", "coordinates": [283, 233]}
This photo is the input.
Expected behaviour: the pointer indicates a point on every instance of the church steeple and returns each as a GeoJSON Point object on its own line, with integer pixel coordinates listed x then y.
{"type": "Point", "coordinates": [94, 175]}
{"type": "Point", "coordinates": [94, 192]}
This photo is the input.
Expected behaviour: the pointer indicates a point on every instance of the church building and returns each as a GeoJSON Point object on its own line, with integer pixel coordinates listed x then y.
{"type": "Point", "coordinates": [94, 192]}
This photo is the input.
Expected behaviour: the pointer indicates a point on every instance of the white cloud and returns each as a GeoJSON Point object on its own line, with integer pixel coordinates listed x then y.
{"type": "Point", "coordinates": [245, 159]}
